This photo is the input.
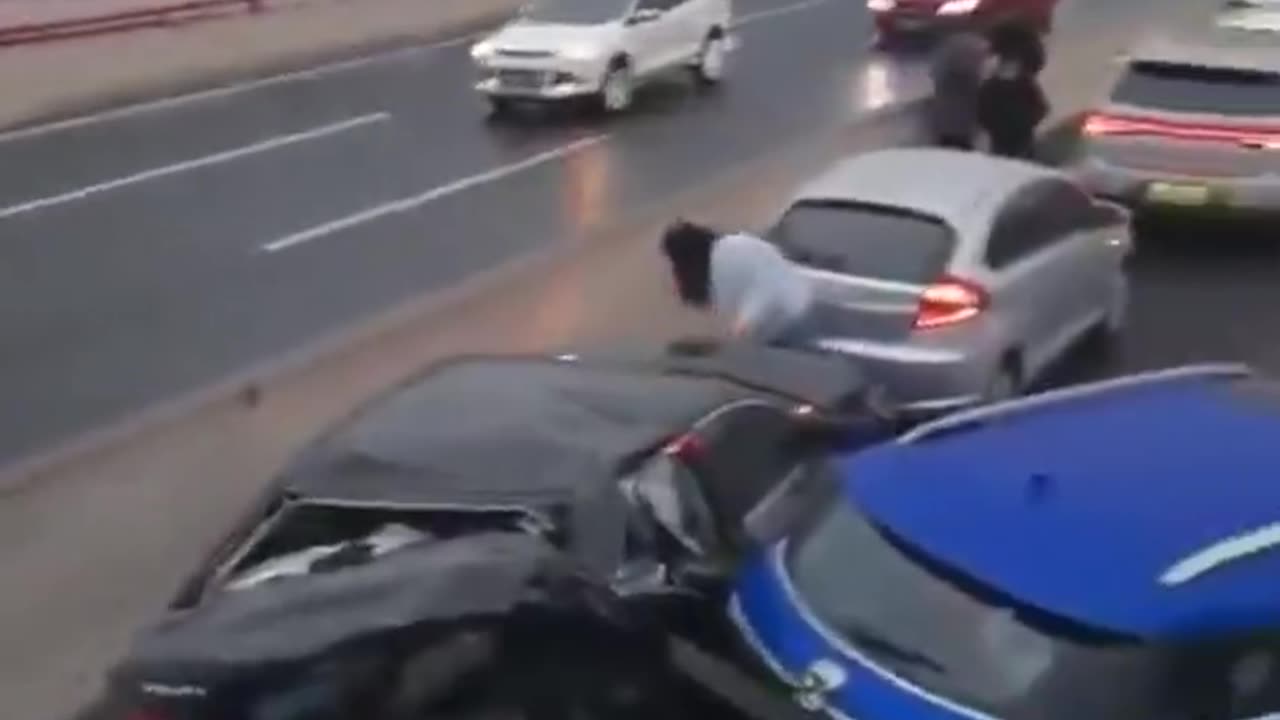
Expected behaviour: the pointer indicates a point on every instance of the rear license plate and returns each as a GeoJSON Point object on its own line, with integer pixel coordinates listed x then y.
{"type": "Point", "coordinates": [1182, 194]}
{"type": "Point", "coordinates": [522, 79]}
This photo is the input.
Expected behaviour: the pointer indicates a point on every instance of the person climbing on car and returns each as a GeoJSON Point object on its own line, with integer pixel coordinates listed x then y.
{"type": "Point", "coordinates": [1011, 103]}
{"type": "Point", "coordinates": [743, 279]}
{"type": "Point", "coordinates": [957, 73]}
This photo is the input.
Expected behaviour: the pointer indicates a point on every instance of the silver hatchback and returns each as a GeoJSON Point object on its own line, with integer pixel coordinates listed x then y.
{"type": "Point", "coordinates": [956, 278]}
{"type": "Point", "coordinates": [1193, 122]}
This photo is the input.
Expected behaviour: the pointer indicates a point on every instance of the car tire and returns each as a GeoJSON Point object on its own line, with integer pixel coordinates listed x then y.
{"type": "Point", "coordinates": [617, 88]}
{"type": "Point", "coordinates": [713, 59]}
{"type": "Point", "coordinates": [499, 108]}
{"type": "Point", "coordinates": [1105, 338]}
{"type": "Point", "coordinates": [1004, 384]}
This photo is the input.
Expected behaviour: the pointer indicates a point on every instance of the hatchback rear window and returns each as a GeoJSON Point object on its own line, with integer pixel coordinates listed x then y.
{"type": "Point", "coordinates": [1196, 88]}
{"type": "Point", "coordinates": [865, 240]}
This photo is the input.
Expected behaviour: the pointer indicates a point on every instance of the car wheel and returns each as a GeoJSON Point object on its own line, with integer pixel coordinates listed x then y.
{"type": "Point", "coordinates": [617, 89]}
{"type": "Point", "coordinates": [713, 61]}
{"type": "Point", "coordinates": [499, 108]}
{"type": "Point", "coordinates": [1003, 385]}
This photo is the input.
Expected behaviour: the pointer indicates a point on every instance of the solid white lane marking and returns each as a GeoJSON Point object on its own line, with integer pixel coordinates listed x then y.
{"type": "Point", "coordinates": [224, 91]}
{"type": "Point", "coordinates": [777, 12]}
{"type": "Point", "coordinates": [412, 203]}
{"type": "Point", "coordinates": [226, 156]}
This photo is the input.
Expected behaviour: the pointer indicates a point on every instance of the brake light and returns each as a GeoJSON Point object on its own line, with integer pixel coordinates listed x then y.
{"type": "Point", "coordinates": [1103, 124]}
{"type": "Point", "coordinates": [950, 301]}
{"type": "Point", "coordinates": [685, 447]}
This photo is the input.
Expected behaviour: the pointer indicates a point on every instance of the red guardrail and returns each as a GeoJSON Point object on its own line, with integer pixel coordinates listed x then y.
{"type": "Point", "coordinates": [156, 15]}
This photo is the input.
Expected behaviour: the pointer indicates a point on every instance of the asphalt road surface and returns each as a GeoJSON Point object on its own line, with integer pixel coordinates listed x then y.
{"type": "Point", "coordinates": [150, 254]}
{"type": "Point", "coordinates": [156, 251]}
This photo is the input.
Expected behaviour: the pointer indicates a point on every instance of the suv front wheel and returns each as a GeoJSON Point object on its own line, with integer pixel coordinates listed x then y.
{"type": "Point", "coordinates": [713, 60]}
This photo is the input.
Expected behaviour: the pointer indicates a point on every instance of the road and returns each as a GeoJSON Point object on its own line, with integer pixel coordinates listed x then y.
{"type": "Point", "coordinates": [136, 264]}
{"type": "Point", "coordinates": [150, 254]}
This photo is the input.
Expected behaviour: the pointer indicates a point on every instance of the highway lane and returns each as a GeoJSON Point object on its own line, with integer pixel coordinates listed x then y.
{"type": "Point", "coordinates": [143, 274]}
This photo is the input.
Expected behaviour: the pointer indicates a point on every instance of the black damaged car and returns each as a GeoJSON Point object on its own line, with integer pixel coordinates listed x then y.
{"type": "Point", "coordinates": [645, 474]}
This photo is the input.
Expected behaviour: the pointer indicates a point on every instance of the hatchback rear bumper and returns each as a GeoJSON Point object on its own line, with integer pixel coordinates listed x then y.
{"type": "Point", "coordinates": [1137, 188]}
{"type": "Point", "coordinates": [924, 381]}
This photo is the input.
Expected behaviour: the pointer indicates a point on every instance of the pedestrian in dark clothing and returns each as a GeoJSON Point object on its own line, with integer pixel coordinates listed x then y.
{"type": "Point", "coordinates": [957, 72]}
{"type": "Point", "coordinates": [1011, 105]}
{"type": "Point", "coordinates": [1019, 42]}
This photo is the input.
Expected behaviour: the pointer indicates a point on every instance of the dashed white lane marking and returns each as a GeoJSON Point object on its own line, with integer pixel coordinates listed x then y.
{"type": "Point", "coordinates": [267, 145]}
{"type": "Point", "coordinates": [412, 203]}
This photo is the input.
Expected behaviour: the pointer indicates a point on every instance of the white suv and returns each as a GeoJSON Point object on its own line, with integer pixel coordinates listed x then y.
{"type": "Point", "coordinates": [601, 49]}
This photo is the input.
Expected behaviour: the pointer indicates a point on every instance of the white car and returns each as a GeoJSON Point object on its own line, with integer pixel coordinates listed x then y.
{"type": "Point", "coordinates": [601, 49]}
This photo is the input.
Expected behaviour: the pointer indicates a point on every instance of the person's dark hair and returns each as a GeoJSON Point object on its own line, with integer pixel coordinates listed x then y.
{"type": "Point", "coordinates": [688, 247]}
{"type": "Point", "coordinates": [1019, 41]}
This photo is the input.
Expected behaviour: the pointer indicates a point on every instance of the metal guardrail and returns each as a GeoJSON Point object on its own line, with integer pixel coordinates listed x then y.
{"type": "Point", "coordinates": [156, 15]}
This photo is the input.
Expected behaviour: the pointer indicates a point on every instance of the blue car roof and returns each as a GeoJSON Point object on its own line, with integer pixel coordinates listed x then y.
{"type": "Point", "coordinates": [1085, 508]}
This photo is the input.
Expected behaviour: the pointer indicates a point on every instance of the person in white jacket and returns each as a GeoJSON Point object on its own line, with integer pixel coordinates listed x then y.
{"type": "Point", "coordinates": [743, 279]}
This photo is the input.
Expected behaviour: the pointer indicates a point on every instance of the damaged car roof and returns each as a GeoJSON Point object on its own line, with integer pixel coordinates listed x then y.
{"type": "Point", "coordinates": [506, 430]}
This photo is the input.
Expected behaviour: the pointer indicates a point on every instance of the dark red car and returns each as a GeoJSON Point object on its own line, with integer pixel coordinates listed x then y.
{"type": "Point", "coordinates": [895, 18]}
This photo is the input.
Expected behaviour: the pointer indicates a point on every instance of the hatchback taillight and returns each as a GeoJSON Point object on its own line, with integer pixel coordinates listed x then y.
{"type": "Point", "coordinates": [950, 301]}
{"type": "Point", "coordinates": [1102, 124]}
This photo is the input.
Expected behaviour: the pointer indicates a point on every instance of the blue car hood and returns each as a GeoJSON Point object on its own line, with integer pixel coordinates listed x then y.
{"type": "Point", "coordinates": [781, 630]}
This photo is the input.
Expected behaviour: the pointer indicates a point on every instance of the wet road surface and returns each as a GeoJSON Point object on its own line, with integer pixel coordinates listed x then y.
{"type": "Point", "coordinates": [150, 255]}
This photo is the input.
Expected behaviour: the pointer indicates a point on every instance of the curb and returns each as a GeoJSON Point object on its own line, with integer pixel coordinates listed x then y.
{"type": "Point", "coordinates": [125, 21]}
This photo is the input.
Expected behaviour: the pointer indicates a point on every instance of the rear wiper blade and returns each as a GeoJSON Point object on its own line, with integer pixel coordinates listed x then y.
{"type": "Point", "coordinates": [878, 644]}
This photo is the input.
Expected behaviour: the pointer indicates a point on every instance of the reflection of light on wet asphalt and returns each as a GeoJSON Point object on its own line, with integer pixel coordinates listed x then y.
{"type": "Point", "coordinates": [586, 188]}
{"type": "Point", "coordinates": [873, 86]}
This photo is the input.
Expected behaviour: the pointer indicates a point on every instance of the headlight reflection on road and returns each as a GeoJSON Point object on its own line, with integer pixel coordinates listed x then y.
{"type": "Point", "coordinates": [587, 188]}
{"type": "Point", "coordinates": [873, 86]}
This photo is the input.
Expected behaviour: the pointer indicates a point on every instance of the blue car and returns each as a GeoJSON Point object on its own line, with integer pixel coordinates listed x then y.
{"type": "Point", "coordinates": [1104, 552]}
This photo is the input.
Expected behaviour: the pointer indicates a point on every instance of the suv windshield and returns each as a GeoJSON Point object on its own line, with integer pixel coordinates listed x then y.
{"type": "Point", "coordinates": [1195, 88]}
{"type": "Point", "coordinates": [967, 643]}
{"type": "Point", "coordinates": [575, 12]}
{"type": "Point", "coordinates": [865, 240]}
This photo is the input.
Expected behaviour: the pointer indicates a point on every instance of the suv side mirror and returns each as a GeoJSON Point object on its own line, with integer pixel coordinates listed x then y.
{"type": "Point", "coordinates": [644, 15]}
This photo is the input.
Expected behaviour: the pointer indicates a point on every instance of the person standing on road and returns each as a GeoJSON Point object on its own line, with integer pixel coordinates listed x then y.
{"type": "Point", "coordinates": [1011, 105]}
{"type": "Point", "coordinates": [957, 73]}
{"type": "Point", "coordinates": [743, 279]}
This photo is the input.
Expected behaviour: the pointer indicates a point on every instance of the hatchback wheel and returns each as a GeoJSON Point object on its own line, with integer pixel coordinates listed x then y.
{"type": "Point", "coordinates": [1002, 386]}
{"type": "Point", "coordinates": [617, 89]}
{"type": "Point", "coordinates": [713, 61]}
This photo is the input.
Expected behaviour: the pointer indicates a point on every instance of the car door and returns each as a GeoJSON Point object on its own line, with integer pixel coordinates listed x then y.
{"type": "Point", "coordinates": [1032, 268]}
{"type": "Point", "coordinates": [688, 23]}
{"type": "Point", "coordinates": [650, 38]}
{"type": "Point", "coordinates": [1097, 236]}
{"type": "Point", "coordinates": [745, 458]}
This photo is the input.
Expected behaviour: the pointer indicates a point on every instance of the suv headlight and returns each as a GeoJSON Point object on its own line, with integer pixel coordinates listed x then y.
{"type": "Point", "coordinates": [482, 51]}
{"type": "Point", "coordinates": [580, 52]}
{"type": "Point", "coordinates": [959, 7]}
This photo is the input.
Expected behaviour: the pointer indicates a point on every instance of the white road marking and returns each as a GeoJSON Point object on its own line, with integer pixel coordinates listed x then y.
{"type": "Point", "coordinates": [273, 143]}
{"type": "Point", "coordinates": [776, 12]}
{"type": "Point", "coordinates": [307, 74]}
{"type": "Point", "coordinates": [412, 203]}
{"type": "Point", "coordinates": [224, 91]}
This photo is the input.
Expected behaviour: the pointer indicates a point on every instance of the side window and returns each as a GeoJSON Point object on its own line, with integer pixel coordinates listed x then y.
{"type": "Point", "coordinates": [1032, 220]}
{"type": "Point", "coordinates": [746, 457]}
{"type": "Point", "coordinates": [1067, 209]}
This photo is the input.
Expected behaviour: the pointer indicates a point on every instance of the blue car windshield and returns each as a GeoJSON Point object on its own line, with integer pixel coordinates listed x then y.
{"type": "Point", "coordinates": [966, 643]}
